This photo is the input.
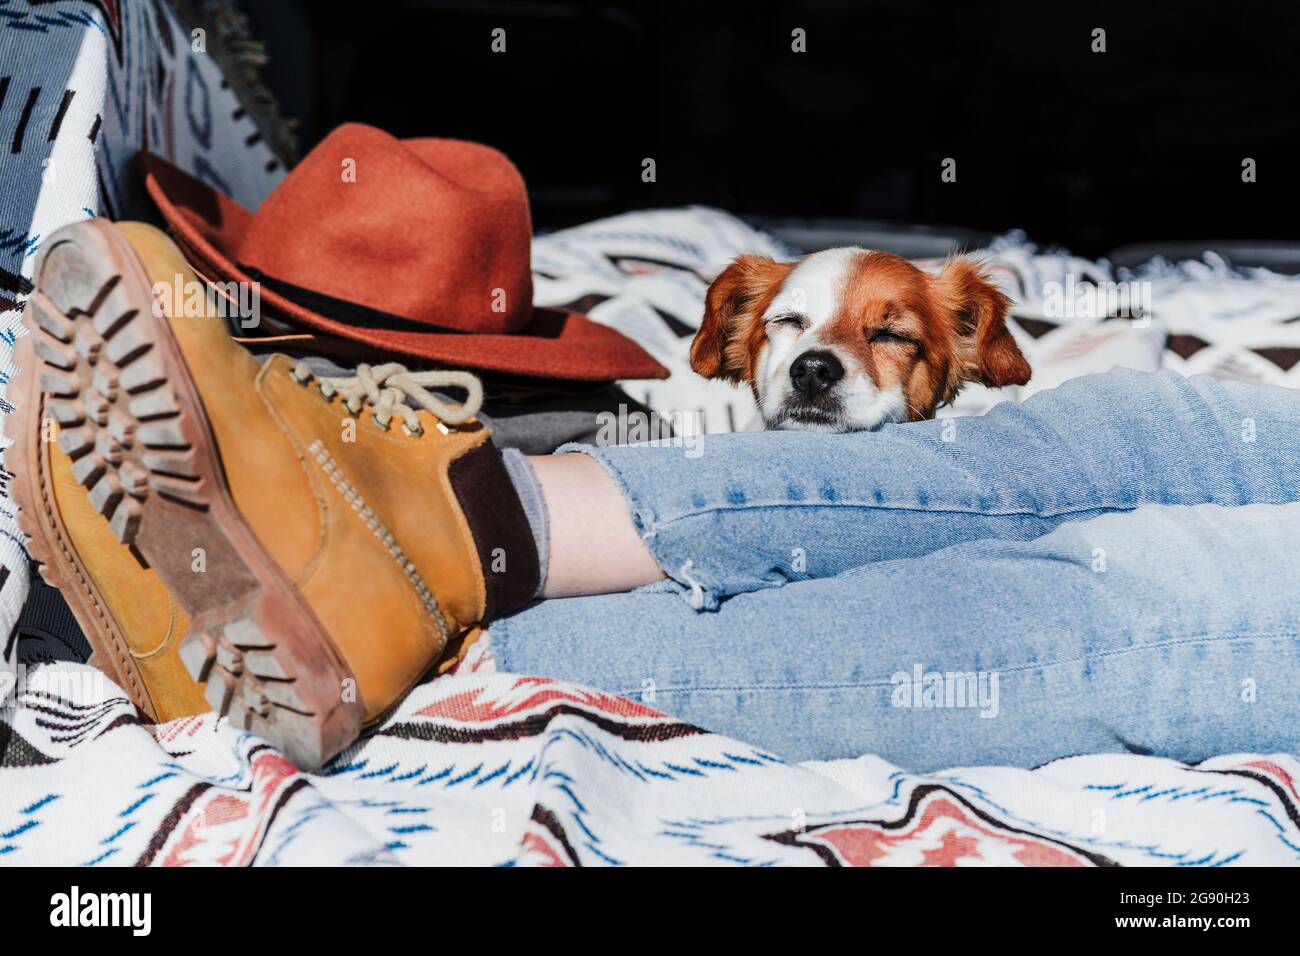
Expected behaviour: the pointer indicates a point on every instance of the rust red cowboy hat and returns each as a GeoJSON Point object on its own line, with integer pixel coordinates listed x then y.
{"type": "Point", "coordinates": [419, 247]}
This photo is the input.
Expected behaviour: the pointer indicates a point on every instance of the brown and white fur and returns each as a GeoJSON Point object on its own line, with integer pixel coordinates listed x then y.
{"type": "Point", "coordinates": [848, 339]}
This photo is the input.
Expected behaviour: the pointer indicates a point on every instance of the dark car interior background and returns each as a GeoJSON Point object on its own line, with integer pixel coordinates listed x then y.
{"type": "Point", "coordinates": [1142, 144]}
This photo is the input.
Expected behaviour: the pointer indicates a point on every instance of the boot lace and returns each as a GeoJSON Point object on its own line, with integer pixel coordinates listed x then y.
{"type": "Point", "coordinates": [387, 387]}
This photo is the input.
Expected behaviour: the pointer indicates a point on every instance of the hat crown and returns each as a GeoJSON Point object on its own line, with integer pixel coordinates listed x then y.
{"type": "Point", "coordinates": [434, 231]}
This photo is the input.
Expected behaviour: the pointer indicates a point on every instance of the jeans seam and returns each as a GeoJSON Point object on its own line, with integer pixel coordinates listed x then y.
{"type": "Point", "coordinates": [880, 506]}
{"type": "Point", "coordinates": [1018, 669]}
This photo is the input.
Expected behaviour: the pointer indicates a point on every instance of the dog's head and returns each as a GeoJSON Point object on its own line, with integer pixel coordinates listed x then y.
{"type": "Point", "coordinates": [847, 340]}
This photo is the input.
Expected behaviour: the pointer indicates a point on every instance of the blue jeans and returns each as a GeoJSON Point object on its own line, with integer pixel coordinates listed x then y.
{"type": "Point", "coordinates": [1112, 566]}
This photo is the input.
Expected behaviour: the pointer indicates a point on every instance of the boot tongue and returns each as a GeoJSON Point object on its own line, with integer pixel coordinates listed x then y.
{"type": "Point", "coordinates": [436, 232]}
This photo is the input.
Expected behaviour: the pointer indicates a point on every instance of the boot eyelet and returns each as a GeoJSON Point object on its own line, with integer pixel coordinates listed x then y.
{"type": "Point", "coordinates": [412, 432]}
{"type": "Point", "coordinates": [378, 424]}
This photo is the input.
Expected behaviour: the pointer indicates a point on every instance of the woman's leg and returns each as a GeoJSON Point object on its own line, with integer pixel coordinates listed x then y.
{"type": "Point", "coordinates": [744, 512]}
{"type": "Point", "coordinates": [593, 547]}
{"type": "Point", "coordinates": [1166, 630]}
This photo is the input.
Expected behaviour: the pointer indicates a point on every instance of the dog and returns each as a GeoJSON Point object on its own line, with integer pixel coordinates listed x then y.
{"type": "Point", "coordinates": [850, 339]}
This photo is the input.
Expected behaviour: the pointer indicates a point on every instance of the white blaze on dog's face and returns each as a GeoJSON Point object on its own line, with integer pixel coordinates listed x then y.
{"type": "Point", "coordinates": [847, 340]}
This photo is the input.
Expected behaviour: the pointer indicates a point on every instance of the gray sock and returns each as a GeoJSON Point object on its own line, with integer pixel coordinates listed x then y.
{"type": "Point", "coordinates": [530, 496]}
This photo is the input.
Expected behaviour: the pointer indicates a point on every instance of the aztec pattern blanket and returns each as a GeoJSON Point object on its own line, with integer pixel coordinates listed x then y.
{"type": "Point", "coordinates": [497, 769]}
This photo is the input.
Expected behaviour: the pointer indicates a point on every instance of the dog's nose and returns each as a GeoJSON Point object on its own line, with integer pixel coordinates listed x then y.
{"type": "Point", "coordinates": [814, 372]}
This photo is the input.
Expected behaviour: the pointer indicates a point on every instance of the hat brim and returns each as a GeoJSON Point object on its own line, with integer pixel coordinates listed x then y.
{"type": "Point", "coordinates": [554, 344]}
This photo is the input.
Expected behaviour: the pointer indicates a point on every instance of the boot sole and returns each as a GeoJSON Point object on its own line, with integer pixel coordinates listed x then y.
{"type": "Point", "coordinates": [98, 362]}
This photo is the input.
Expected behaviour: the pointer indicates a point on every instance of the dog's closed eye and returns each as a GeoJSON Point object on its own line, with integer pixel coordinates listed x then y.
{"type": "Point", "coordinates": [891, 336]}
{"type": "Point", "coordinates": [788, 320]}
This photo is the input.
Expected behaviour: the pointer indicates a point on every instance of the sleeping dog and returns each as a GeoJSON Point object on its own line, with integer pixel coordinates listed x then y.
{"type": "Point", "coordinates": [847, 339]}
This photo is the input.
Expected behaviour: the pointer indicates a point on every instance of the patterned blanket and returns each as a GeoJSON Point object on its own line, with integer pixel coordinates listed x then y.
{"type": "Point", "coordinates": [498, 769]}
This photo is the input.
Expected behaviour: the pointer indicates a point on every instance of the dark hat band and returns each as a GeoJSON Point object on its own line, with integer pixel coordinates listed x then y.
{"type": "Point", "coordinates": [343, 310]}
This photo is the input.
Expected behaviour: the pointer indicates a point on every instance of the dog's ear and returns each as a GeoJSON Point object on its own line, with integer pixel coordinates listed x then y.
{"type": "Point", "coordinates": [721, 346]}
{"type": "Point", "coordinates": [980, 313]}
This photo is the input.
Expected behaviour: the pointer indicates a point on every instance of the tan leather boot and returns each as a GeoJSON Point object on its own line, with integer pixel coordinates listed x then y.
{"type": "Point", "coordinates": [324, 543]}
{"type": "Point", "coordinates": [133, 624]}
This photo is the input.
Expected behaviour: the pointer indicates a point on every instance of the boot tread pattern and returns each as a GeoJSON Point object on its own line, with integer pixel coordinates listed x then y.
{"type": "Point", "coordinates": [143, 456]}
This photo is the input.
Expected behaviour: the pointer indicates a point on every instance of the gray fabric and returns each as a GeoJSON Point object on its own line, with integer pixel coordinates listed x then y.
{"type": "Point", "coordinates": [529, 491]}
{"type": "Point", "coordinates": [535, 421]}
{"type": "Point", "coordinates": [539, 425]}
